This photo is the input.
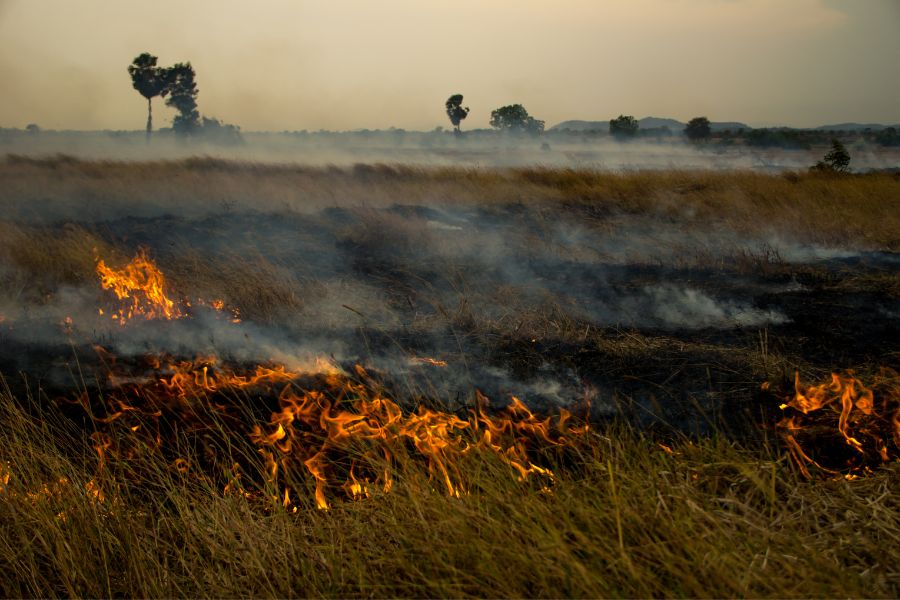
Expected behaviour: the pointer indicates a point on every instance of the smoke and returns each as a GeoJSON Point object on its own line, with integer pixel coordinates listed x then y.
{"type": "Point", "coordinates": [500, 291]}
{"type": "Point", "coordinates": [481, 149]}
{"type": "Point", "coordinates": [405, 274]}
{"type": "Point", "coordinates": [671, 307]}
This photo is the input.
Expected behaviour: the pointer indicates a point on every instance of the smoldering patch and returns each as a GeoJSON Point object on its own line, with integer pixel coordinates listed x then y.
{"type": "Point", "coordinates": [672, 307]}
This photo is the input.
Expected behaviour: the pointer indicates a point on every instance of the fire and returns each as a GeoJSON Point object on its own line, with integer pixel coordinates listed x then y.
{"type": "Point", "coordinates": [45, 492]}
{"type": "Point", "coordinates": [334, 434]}
{"type": "Point", "coordinates": [842, 426]}
{"type": "Point", "coordinates": [426, 360]}
{"type": "Point", "coordinates": [192, 378]}
{"type": "Point", "coordinates": [219, 305]}
{"type": "Point", "coordinates": [327, 433]}
{"type": "Point", "coordinates": [141, 287]}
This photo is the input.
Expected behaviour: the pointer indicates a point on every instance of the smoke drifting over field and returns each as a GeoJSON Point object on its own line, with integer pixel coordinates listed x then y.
{"type": "Point", "coordinates": [492, 272]}
{"type": "Point", "coordinates": [484, 149]}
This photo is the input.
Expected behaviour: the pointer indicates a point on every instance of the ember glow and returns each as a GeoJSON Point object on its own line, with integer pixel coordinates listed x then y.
{"type": "Point", "coordinates": [842, 426]}
{"type": "Point", "coordinates": [425, 360]}
{"type": "Point", "coordinates": [52, 492]}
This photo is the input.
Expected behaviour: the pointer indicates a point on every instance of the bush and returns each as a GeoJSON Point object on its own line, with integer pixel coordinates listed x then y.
{"type": "Point", "coordinates": [836, 160]}
{"type": "Point", "coordinates": [623, 126]}
{"type": "Point", "coordinates": [515, 118]}
{"type": "Point", "coordinates": [698, 128]}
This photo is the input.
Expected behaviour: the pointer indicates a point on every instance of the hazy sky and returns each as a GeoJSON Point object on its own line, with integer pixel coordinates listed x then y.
{"type": "Point", "coordinates": [346, 64]}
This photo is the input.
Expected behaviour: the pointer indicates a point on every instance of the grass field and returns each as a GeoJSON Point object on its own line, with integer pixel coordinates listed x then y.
{"type": "Point", "coordinates": [667, 312]}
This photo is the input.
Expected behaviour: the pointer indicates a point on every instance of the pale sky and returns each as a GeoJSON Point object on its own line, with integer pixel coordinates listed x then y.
{"type": "Point", "coordinates": [347, 64]}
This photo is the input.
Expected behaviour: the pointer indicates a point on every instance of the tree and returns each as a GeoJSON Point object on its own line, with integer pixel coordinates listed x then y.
{"type": "Point", "coordinates": [888, 137]}
{"type": "Point", "coordinates": [837, 160]}
{"type": "Point", "coordinates": [183, 92]}
{"type": "Point", "coordinates": [698, 129]}
{"type": "Point", "coordinates": [515, 118]}
{"type": "Point", "coordinates": [149, 80]}
{"type": "Point", "coordinates": [217, 131]}
{"type": "Point", "coordinates": [455, 110]}
{"type": "Point", "coordinates": [623, 126]}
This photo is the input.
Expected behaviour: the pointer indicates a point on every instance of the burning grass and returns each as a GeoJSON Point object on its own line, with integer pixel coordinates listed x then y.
{"type": "Point", "coordinates": [447, 382]}
{"type": "Point", "coordinates": [625, 515]}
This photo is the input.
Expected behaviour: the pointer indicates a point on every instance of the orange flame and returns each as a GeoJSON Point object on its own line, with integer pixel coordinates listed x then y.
{"type": "Point", "coordinates": [335, 431]}
{"type": "Point", "coordinates": [426, 360]}
{"type": "Point", "coordinates": [865, 418]}
{"type": "Point", "coordinates": [141, 287]}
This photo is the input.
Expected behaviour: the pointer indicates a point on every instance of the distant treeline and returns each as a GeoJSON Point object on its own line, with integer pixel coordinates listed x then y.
{"type": "Point", "coordinates": [219, 133]}
{"type": "Point", "coordinates": [765, 137]}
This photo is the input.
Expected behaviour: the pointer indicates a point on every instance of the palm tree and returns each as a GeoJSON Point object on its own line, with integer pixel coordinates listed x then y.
{"type": "Point", "coordinates": [455, 111]}
{"type": "Point", "coordinates": [150, 81]}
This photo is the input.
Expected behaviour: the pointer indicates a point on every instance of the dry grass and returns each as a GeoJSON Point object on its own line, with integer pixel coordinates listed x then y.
{"type": "Point", "coordinates": [57, 214]}
{"type": "Point", "coordinates": [817, 208]}
{"type": "Point", "coordinates": [625, 518]}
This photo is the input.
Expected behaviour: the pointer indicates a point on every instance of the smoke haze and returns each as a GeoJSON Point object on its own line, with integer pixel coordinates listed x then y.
{"type": "Point", "coordinates": [473, 149]}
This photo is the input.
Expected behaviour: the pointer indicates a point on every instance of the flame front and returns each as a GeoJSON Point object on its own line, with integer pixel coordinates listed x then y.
{"type": "Point", "coordinates": [841, 426]}
{"type": "Point", "coordinates": [322, 433]}
{"type": "Point", "coordinates": [315, 427]}
{"type": "Point", "coordinates": [337, 432]}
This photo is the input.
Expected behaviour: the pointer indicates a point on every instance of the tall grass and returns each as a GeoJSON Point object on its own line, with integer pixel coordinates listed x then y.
{"type": "Point", "coordinates": [626, 517]}
{"type": "Point", "coordinates": [812, 207]}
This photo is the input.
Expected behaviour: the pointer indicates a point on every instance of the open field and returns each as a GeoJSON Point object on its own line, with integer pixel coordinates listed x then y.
{"type": "Point", "coordinates": [349, 338]}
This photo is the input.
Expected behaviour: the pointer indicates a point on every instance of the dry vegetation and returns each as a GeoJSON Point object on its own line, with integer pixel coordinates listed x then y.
{"type": "Point", "coordinates": [817, 207]}
{"type": "Point", "coordinates": [625, 518]}
{"type": "Point", "coordinates": [642, 506]}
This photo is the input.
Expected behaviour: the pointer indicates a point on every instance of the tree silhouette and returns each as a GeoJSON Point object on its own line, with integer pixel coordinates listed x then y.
{"type": "Point", "coordinates": [455, 110]}
{"type": "Point", "coordinates": [623, 126]}
{"type": "Point", "coordinates": [217, 131]}
{"type": "Point", "coordinates": [182, 91]}
{"type": "Point", "coordinates": [149, 80]}
{"type": "Point", "coordinates": [837, 160]}
{"type": "Point", "coordinates": [698, 129]}
{"type": "Point", "coordinates": [516, 119]}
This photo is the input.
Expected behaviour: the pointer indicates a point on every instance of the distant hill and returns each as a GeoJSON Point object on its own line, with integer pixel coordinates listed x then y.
{"type": "Point", "coordinates": [576, 125]}
{"type": "Point", "coordinates": [658, 122]}
{"type": "Point", "coordinates": [730, 125]}
{"type": "Point", "coordinates": [646, 123]}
